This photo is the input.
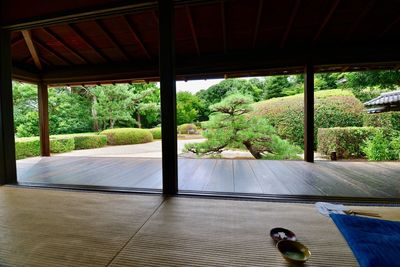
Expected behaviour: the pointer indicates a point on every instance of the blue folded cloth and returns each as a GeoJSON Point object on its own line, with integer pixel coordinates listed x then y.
{"type": "Point", "coordinates": [374, 242]}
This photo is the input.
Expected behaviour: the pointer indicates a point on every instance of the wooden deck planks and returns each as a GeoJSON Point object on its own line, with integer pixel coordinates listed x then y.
{"type": "Point", "coordinates": [358, 179]}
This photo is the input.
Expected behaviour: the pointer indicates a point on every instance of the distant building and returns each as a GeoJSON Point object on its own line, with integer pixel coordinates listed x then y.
{"type": "Point", "coordinates": [385, 102]}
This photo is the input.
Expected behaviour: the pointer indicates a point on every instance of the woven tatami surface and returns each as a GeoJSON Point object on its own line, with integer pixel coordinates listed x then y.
{"type": "Point", "coordinates": [60, 228]}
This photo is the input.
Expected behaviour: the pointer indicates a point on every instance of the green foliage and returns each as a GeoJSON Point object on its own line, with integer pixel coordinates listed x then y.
{"type": "Point", "coordinates": [275, 86]}
{"type": "Point", "coordinates": [382, 146]}
{"type": "Point", "coordinates": [230, 127]}
{"type": "Point", "coordinates": [156, 132]}
{"type": "Point", "coordinates": [188, 107]}
{"type": "Point", "coordinates": [89, 141]}
{"type": "Point", "coordinates": [61, 144]}
{"type": "Point", "coordinates": [333, 108]}
{"type": "Point", "coordinates": [127, 136]}
{"type": "Point", "coordinates": [385, 119]}
{"type": "Point", "coordinates": [27, 147]}
{"type": "Point", "coordinates": [345, 141]}
{"type": "Point", "coordinates": [187, 128]}
{"type": "Point", "coordinates": [68, 112]}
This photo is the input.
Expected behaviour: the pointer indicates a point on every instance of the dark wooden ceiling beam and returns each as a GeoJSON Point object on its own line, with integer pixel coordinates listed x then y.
{"type": "Point", "coordinates": [359, 19]}
{"type": "Point", "coordinates": [290, 23]}
{"type": "Point", "coordinates": [21, 74]}
{"type": "Point", "coordinates": [279, 61]}
{"type": "Point", "coordinates": [326, 19]}
{"type": "Point", "coordinates": [389, 27]}
{"type": "Point", "coordinates": [192, 29]}
{"type": "Point", "coordinates": [32, 49]}
{"type": "Point", "coordinates": [223, 22]}
{"type": "Point", "coordinates": [133, 30]}
{"type": "Point", "coordinates": [76, 31]}
{"type": "Point", "coordinates": [109, 36]}
{"type": "Point", "coordinates": [66, 45]}
{"type": "Point", "coordinates": [258, 19]}
{"type": "Point", "coordinates": [52, 52]}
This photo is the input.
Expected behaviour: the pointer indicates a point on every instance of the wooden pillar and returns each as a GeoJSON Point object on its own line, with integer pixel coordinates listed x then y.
{"type": "Point", "coordinates": [168, 97]}
{"type": "Point", "coordinates": [8, 170]}
{"type": "Point", "coordinates": [309, 112]}
{"type": "Point", "coordinates": [43, 100]}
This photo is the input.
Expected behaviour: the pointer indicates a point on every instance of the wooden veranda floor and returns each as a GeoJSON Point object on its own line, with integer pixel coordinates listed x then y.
{"type": "Point", "coordinates": [323, 178]}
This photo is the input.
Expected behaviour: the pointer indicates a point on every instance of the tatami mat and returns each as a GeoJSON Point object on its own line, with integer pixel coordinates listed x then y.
{"type": "Point", "coordinates": [204, 232]}
{"type": "Point", "coordinates": [59, 228]}
{"type": "Point", "coordinates": [63, 228]}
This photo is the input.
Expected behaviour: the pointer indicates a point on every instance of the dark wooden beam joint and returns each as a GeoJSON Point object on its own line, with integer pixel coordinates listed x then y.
{"type": "Point", "coordinates": [43, 100]}
{"type": "Point", "coordinates": [8, 169]}
{"type": "Point", "coordinates": [168, 97]}
{"type": "Point", "coordinates": [309, 111]}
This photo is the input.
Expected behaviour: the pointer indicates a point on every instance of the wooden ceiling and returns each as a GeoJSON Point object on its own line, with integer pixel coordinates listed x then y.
{"type": "Point", "coordinates": [78, 42]}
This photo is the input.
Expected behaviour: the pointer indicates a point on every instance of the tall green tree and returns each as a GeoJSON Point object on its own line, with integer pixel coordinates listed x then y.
{"type": "Point", "coordinates": [189, 107]}
{"type": "Point", "coordinates": [229, 126]}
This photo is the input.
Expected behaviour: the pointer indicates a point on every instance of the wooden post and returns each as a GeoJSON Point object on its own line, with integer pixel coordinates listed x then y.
{"type": "Point", "coordinates": [309, 112]}
{"type": "Point", "coordinates": [43, 100]}
{"type": "Point", "coordinates": [168, 97]}
{"type": "Point", "coordinates": [8, 169]}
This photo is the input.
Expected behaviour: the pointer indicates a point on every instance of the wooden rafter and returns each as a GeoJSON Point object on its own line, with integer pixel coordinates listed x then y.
{"type": "Point", "coordinates": [290, 23]}
{"type": "Point", "coordinates": [73, 28]}
{"type": "Point", "coordinates": [132, 30]}
{"type": "Point", "coordinates": [52, 52]}
{"type": "Point", "coordinates": [359, 19]}
{"type": "Point", "coordinates": [258, 19]}
{"type": "Point", "coordinates": [29, 59]}
{"type": "Point", "coordinates": [326, 19]}
{"type": "Point", "coordinates": [65, 45]}
{"type": "Point", "coordinates": [192, 29]}
{"type": "Point", "coordinates": [223, 22]}
{"type": "Point", "coordinates": [109, 36]}
{"type": "Point", "coordinates": [32, 49]}
{"type": "Point", "coordinates": [389, 27]}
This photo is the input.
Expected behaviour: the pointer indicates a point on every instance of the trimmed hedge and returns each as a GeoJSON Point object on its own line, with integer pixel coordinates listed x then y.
{"type": "Point", "coordinates": [27, 147]}
{"type": "Point", "coordinates": [333, 108]}
{"type": "Point", "coordinates": [30, 146]}
{"type": "Point", "coordinates": [347, 142]}
{"type": "Point", "coordinates": [127, 136]}
{"type": "Point", "coordinates": [156, 132]}
{"type": "Point", "coordinates": [384, 119]}
{"type": "Point", "coordinates": [61, 144]}
{"type": "Point", "coordinates": [89, 141]}
{"type": "Point", "coordinates": [187, 128]}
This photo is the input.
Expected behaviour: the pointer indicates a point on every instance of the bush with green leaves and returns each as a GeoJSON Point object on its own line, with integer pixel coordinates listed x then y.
{"type": "Point", "coordinates": [127, 136]}
{"type": "Point", "coordinates": [27, 147]}
{"type": "Point", "coordinates": [156, 132]}
{"type": "Point", "coordinates": [345, 141]}
{"type": "Point", "coordinates": [61, 144]}
{"type": "Point", "coordinates": [89, 141]}
{"type": "Point", "coordinates": [187, 128]}
{"type": "Point", "coordinates": [384, 119]}
{"type": "Point", "coordinates": [231, 127]}
{"type": "Point", "coordinates": [333, 108]}
{"type": "Point", "coordinates": [382, 146]}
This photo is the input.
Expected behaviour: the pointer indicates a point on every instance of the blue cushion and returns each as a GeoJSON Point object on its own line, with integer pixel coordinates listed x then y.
{"type": "Point", "coordinates": [374, 242]}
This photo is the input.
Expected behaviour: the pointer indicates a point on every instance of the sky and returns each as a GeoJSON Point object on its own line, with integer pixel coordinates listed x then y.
{"type": "Point", "coordinates": [194, 86]}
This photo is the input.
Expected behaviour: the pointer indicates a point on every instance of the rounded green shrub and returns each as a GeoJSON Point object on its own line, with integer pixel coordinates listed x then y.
{"type": "Point", "coordinates": [345, 141]}
{"type": "Point", "coordinates": [61, 144]}
{"type": "Point", "coordinates": [187, 128]}
{"type": "Point", "coordinates": [127, 136]}
{"type": "Point", "coordinates": [333, 108]}
{"type": "Point", "coordinates": [156, 132]}
{"type": "Point", "coordinates": [89, 141]}
{"type": "Point", "coordinates": [27, 147]}
{"type": "Point", "coordinates": [384, 119]}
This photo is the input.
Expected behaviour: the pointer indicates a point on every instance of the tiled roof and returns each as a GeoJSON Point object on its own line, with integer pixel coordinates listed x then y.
{"type": "Point", "coordinates": [385, 98]}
